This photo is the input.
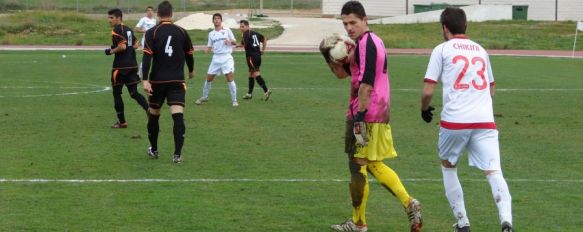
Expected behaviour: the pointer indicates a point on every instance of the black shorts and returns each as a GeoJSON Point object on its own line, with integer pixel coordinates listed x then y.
{"type": "Point", "coordinates": [124, 76]}
{"type": "Point", "coordinates": [254, 62]}
{"type": "Point", "coordinates": [173, 93]}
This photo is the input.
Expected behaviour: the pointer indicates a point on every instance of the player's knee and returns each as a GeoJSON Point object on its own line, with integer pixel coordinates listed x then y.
{"type": "Point", "coordinates": [492, 172]}
{"type": "Point", "coordinates": [447, 164]}
{"type": "Point", "coordinates": [152, 112]}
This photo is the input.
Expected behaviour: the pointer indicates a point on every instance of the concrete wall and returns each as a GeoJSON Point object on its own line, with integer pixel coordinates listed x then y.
{"type": "Point", "coordinates": [474, 13]}
{"type": "Point", "coordinates": [537, 9]}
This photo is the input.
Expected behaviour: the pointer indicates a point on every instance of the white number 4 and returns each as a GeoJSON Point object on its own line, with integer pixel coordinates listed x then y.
{"type": "Point", "coordinates": [168, 48]}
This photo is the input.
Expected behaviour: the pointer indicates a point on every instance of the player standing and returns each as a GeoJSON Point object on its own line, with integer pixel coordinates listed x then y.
{"type": "Point", "coordinates": [220, 41]}
{"type": "Point", "coordinates": [254, 44]}
{"type": "Point", "coordinates": [467, 119]}
{"type": "Point", "coordinates": [368, 139]}
{"type": "Point", "coordinates": [144, 25]}
{"type": "Point", "coordinates": [125, 67]}
{"type": "Point", "coordinates": [168, 46]}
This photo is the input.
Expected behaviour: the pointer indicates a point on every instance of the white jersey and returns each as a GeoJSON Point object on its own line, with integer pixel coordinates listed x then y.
{"type": "Point", "coordinates": [217, 39]}
{"type": "Point", "coordinates": [145, 24]}
{"type": "Point", "coordinates": [464, 69]}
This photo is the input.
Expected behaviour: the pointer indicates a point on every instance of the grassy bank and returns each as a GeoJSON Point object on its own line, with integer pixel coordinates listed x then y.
{"type": "Point", "coordinates": [71, 28]}
{"type": "Point", "coordinates": [97, 6]}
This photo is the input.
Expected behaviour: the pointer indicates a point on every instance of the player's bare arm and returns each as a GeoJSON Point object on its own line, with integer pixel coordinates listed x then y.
{"type": "Point", "coordinates": [264, 46]}
{"type": "Point", "coordinates": [492, 90]}
{"type": "Point", "coordinates": [427, 95]}
{"type": "Point", "coordinates": [120, 48]}
{"type": "Point", "coordinates": [364, 96]}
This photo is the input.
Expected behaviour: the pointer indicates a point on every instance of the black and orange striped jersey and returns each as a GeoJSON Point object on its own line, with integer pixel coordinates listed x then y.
{"type": "Point", "coordinates": [122, 34]}
{"type": "Point", "coordinates": [252, 42]}
{"type": "Point", "coordinates": [170, 47]}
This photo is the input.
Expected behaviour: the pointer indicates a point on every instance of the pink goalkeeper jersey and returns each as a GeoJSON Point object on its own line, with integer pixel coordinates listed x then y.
{"type": "Point", "coordinates": [463, 67]}
{"type": "Point", "coordinates": [370, 66]}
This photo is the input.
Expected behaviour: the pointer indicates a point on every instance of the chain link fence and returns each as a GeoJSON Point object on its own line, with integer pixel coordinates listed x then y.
{"type": "Point", "coordinates": [138, 6]}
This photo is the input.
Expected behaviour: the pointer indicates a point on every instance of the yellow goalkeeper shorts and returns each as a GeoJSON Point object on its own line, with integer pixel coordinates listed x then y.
{"type": "Point", "coordinates": [380, 143]}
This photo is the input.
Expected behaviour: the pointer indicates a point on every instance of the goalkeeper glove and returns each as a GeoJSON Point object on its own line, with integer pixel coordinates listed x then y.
{"type": "Point", "coordinates": [108, 51]}
{"type": "Point", "coordinates": [330, 41]}
{"type": "Point", "coordinates": [359, 129]}
{"type": "Point", "coordinates": [427, 115]}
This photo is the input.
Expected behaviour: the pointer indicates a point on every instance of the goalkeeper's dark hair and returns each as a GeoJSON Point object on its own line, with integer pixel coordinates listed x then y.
{"type": "Point", "coordinates": [244, 22]}
{"type": "Point", "coordinates": [353, 7]}
{"type": "Point", "coordinates": [454, 19]}
{"type": "Point", "coordinates": [165, 9]}
{"type": "Point", "coordinates": [116, 12]}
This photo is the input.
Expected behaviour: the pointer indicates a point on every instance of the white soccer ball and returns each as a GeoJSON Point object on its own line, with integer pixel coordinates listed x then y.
{"type": "Point", "coordinates": [339, 52]}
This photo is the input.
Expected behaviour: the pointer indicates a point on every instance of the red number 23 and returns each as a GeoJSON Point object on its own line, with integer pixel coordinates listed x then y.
{"type": "Point", "coordinates": [458, 85]}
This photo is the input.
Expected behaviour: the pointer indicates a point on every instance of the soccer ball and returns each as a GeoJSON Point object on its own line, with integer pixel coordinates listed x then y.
{"type": "Point", "coordinates": [339, 52]}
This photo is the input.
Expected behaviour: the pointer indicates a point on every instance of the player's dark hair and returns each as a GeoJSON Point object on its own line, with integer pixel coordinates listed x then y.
{"type": "Point", "coordinates": [454, 19]}
{"type": "Point", "coordinates": [353, 7]}
{"type": "Point", "coordinates": [165, 9]}
{"type": "Point", "coordinates": [116, 12]}
{"type": "Point", "coordinates": [217, 15]}
{"type": "Point", "coordinates": [244, 22]}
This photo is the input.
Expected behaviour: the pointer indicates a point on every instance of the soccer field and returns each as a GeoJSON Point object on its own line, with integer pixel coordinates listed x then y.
{"type": "Point", "coordinates": [269, 166]}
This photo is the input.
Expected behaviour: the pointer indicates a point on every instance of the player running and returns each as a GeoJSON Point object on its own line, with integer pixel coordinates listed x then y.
{"type": "Point", "coordinates": [467, 118]}
{"type": "Point", "coordinates": [368, 139]}
{"type": "Point", "coordinates": [254, 44]}
{"type": "Point", "coordinates": [168, 47]}
{"type": "Point", "coordinates": [125, 67]}
{"type": "Point", "coordinates": [220, 41]}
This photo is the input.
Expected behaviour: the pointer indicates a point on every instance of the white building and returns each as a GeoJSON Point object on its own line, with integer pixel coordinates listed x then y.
{"type": "Point", "coordinates": [537, 9]}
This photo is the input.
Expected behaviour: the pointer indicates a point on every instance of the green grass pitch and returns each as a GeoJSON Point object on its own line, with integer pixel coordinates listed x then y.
{"type": "Point", "coordinates": [276, 165]}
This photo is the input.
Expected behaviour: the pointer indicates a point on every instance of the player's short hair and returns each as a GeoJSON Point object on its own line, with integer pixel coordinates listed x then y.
{"type": "Point", "coordinates": [244, 22]}
{"type": "Point", "coordinates": [353, 7]}
{"type": "Point", "coordinates": [149, 8]}
{"type": "Point", "coordinates": [218, 15]}
{"type": "Point", "coordinates": [454, 19]}
{"type": "Point", "coordinates": [165, 9]}
{"type": "Point", "coordinates": [116, 12]}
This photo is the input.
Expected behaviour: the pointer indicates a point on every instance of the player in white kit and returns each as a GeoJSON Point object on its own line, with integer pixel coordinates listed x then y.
{"type": "Point", "coordinates": [221, 41]}
{"type": "Point", "coordinates": [467, 118]}
{"type": "Point", "coordinates": [144, 25]}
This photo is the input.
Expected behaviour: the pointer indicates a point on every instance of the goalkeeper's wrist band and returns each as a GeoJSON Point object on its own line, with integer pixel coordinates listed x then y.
{"type": "Point", "coordinates": [360, 116]}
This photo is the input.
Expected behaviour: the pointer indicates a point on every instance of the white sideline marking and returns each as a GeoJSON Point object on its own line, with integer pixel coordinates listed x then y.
{"type": "Point", "coordinates": [256, 180]}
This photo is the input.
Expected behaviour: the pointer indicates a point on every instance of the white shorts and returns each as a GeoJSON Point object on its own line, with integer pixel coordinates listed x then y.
{"type": "Point", "coordinates": [221, 64]}
{"type": "Point", "coordinates": [482, 145]}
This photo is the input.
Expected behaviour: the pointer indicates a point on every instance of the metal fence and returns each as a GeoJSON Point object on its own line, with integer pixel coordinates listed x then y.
{"type": "Point", "coordinates": [132, 6]}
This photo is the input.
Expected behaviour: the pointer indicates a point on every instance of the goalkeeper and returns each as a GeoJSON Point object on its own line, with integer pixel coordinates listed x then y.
{"type": "Point", "coordinates": [368, 139]}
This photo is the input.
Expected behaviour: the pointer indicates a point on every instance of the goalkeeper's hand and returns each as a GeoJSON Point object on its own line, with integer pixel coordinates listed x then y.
{"type": "Point", "coordinates": [427, 115]}
{"type": "Point", "coordinates": [330, 41]}
{"type": "Point", "coordinates": [359, 129]}
{"type": "Point", "coordinates": [108, 51]}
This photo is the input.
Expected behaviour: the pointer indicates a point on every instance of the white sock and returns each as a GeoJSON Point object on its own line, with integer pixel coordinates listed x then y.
{"type": "Point", "coordinates": [501, 196]}
{"type": "Point", "coordinates": [206, 89]}
{"type": "Point", "coordinates": [455, 195]}
{"type": "Point", "coordinates": [233, 90]}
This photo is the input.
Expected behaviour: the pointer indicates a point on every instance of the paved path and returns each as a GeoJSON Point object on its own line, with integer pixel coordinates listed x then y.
{"type": "Point", "coordinates": [306, 31]}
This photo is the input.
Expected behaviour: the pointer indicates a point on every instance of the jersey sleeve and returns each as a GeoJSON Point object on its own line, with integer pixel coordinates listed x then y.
{"type": "Point", "coordinates": [435, 66]}
{"type": "Point", "coordinates": [148, 43]}
{"type": "Point", "coordinates": [490, 73]}
{"type": "Point", "coordinates": [141, 23]}
{"type": "Point", "coordinates": [370, 62]}
{"type": "Point", "coordinates": [117, 36]}
{"type": "Point", "coordinates": [188, 49]}
{"type": "Point", "coordinates": [231, 35]}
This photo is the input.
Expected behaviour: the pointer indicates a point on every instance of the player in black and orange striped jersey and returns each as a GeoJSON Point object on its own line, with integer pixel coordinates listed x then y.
{"type": "Point", "coordinates": [125, 67]}
{"type": "Point", "coordinates": [168, 46]}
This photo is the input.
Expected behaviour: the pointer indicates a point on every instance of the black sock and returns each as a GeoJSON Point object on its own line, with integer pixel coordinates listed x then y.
{"type": "Point", "coordinates": [251, 85]}
{"type": "Point", "coordinates": [261, 83]}
{"type": "Point", "coordinates": [138, 97]}
{"type": "Point", "coordinates": [179, 130]}
{"type": "Point", "coordinates": [118, 105]}
{"type": "Point", "coordinates": [153, 129]}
